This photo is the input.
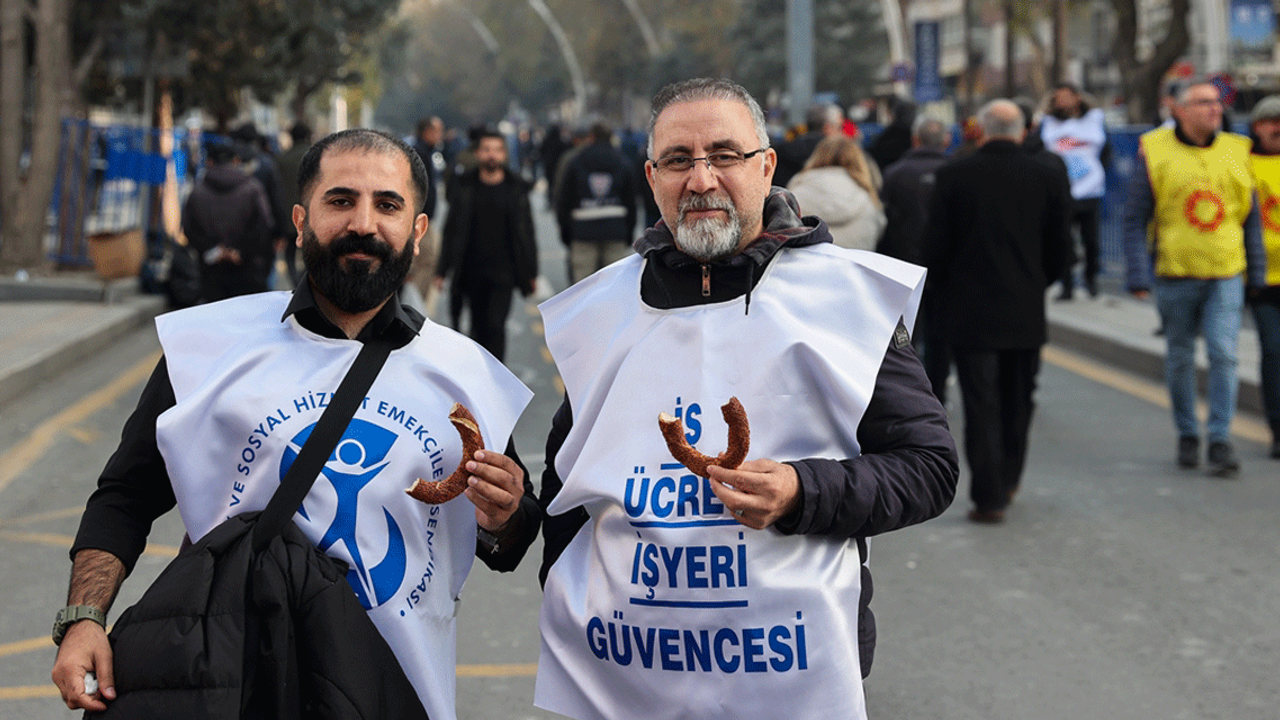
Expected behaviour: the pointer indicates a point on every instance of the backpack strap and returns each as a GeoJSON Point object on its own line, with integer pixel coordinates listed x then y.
{"type": "Point", "coordinates": [319, 446]}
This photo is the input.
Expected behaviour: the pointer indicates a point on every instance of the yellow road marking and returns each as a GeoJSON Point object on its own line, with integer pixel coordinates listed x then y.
{"type": "Point", "coordinates": [41, 517]}
{"type": "Point", "coordinates": [27, 451]}
{"type": "Point", "coordinates": [1146, 390]}
{"type": "Point", "coordinates": [65, 541]}
{"type": "Point", "coordinates": [86, 436]}
{"type": "Point", "coordinates": [30, 692]}
{"type": "Point", "coordinates": [22, 646]}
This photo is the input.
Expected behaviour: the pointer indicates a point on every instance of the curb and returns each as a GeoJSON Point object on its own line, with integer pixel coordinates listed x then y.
{"type": "Point", "coordinates": [1144, 356]}
{"type": "Point", "coordinates": [81, 343]}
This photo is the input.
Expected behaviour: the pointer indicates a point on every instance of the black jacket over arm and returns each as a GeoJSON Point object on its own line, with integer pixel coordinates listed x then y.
{"type": "Point", "coordinates": [908, 468]}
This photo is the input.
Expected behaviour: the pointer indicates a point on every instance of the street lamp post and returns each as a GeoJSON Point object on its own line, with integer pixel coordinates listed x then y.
{"type": "Point", "coordinates": [799, 58]}
{"type": "Point", "coordinates": [570, 57]}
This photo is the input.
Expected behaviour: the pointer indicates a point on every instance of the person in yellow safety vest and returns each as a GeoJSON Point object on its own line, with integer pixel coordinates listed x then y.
{"type": "Point", "coordinates": [1192, 187]}
{"type": "Point", "coordinates": [1265, 301]}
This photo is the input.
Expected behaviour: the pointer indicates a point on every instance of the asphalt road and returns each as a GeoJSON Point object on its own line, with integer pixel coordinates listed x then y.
{"type": "Point", "coordinates": [1119, 588]}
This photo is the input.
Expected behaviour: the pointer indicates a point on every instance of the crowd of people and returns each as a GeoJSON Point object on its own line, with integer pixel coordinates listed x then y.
{"type": "Point", "coordinates": [819, 290]}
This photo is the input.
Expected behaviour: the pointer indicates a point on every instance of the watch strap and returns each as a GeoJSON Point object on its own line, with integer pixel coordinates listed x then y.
{"type": "Point", "coordinates": [73, 614]}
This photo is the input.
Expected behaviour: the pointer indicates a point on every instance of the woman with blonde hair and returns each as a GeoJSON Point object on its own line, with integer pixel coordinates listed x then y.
{"type": "Point", "coordinates": [837, 184]}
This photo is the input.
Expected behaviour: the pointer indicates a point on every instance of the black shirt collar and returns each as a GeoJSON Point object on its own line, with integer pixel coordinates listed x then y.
{"type": "Point", "coordinates": [1185, 140]}
{"type": "Point", "coordinates": [394, 321]}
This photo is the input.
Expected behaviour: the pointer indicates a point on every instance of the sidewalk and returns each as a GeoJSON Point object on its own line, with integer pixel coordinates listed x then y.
{"type": "Point", "coordinates": [1120, 331]}
{"type": "Point", "coordinates": [47, 325]}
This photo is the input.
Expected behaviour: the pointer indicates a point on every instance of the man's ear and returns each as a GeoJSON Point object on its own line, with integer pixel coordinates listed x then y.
{"type": "Point", "coordinates": [299, 219]}
{"type": "Point", "coordinates": [770, 163]}
{"type": "Point", "coordinates": [419, 230]}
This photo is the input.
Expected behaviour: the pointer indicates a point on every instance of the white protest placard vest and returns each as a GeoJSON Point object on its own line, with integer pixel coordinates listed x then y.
{"type": "Point", "coordinates": [1079, 142]}
{"type": "Point", "coordinates": [250, 389]}
{"type": "Point", "coordinates": [663, 605]}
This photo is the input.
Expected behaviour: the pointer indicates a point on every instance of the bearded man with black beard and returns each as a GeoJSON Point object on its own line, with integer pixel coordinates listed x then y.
{"type": "Point", "coordinates": [353, 284]}
{"type": "Point", "coordinates": [488, 249]}
{"type": "Point", "coordinates": [280, 356]}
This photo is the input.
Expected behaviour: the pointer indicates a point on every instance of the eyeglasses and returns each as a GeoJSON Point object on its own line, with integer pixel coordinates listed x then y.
{"type": "Point", "coordinates": [720, 159]}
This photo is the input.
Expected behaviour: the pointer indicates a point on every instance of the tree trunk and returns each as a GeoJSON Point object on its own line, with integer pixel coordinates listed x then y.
{"type": "Point", "coordinates": [1058, 73]}
{"type": "Point", "coordinates": [26, 195]}
{"type": "Point", "coordinates": [13, 68]}
{"type": "Point", "coordinates": [1141, 80]}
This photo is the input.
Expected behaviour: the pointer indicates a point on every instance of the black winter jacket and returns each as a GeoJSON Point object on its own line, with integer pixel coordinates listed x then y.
{"type": "Point", "coordinates": [908, 469]}
{"type": "Point", "coordinates": [523, 257]}
{"type": "Point", "coordinates": [597, 201]}
{"type": "Point", "coordinates": [286, 641]}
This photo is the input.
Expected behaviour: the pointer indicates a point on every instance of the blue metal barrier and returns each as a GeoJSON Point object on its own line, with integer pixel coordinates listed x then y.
{"type": "Point", "coordinates": [104, 184]}
{"type": "Point", "coordinates": [1124, 153]}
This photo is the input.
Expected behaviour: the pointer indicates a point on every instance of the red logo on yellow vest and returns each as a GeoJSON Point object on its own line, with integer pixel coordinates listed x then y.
{"type": "Point", "coordinates": [1195, 210]}
{"type": "Point", "coordinates": [1268, 213]}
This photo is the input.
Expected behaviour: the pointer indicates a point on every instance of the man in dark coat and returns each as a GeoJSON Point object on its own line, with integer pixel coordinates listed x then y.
{"type": "Point", "coordinates": [227, 218]}
{"type": "Point", "coordinates": [996, 238]}
{"type": "Point", "coordinates": [488, 246]}
{"type": "Point", "coordinates": [895, 140]}
{"type": "Point", "coordinates": [908, 187]}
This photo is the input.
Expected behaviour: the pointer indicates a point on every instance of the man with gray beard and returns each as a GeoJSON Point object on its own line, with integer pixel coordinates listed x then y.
{"type": "Point", "coordinates": [738, 297]}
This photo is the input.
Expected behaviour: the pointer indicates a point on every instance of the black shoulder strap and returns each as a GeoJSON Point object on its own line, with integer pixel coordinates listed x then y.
{"type": "Point", "coordinates": [323, 439]}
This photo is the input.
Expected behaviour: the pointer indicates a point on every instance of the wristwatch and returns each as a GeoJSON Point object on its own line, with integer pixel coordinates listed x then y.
{"type": "Point", "coordinates": [73, 614]}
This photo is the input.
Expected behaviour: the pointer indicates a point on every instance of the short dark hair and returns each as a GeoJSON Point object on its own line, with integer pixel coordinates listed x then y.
{"type": "Point", "coordinates": [601, 132]}
{"type": "Point", "coordinates": [490, 134]}
{"type": "Point", "coordinates": [300, 132]}
{"type": "Point", "coordinates": [366, 140]}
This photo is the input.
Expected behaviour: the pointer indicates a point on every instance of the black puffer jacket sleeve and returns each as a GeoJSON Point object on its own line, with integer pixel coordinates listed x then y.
{"type": "Point", "coordinates": [907, 471]}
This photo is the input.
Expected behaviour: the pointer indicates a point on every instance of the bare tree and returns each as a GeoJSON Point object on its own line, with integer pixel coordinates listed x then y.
{"type": "Point", "coordinates": [33, 93]}
{"type": "Point", "coordinates": [1141, 79]}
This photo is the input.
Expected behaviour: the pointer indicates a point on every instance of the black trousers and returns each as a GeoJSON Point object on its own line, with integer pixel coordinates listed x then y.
{"type": "Point", "coordinates": [488, 304]}
{"type": "Point", "coordinates": [1085, 217]}
{"type": "Point", "coordinates": [996, 387]}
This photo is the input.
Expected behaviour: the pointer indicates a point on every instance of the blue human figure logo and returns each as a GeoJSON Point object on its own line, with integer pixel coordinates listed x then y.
{"type": "Point", "coordinates": [359, 457]}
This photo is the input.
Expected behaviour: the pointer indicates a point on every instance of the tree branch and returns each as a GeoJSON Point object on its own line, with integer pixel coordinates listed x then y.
{"type": "Point", "coordinates": [1175, 42]}
{"type": "Point", "coordinates": [80, 73]}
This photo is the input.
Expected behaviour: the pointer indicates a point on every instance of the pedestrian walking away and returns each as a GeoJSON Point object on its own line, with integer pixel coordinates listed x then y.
{"type": "Point", "coordinates": [227, 218]}
{"type": "Point", "coordinates": [1264, 300]}
{"type": "Point", "coordinates": [596, 207]}
{"type": "Point", "coordinates": [677, 586]}
{"type": "Point", "coordinates": [820, 121]}
{"type": "Point", "coordinates": [289, 163]}
{"type": "Point", "coordinates": [908, 187]}
{"type": "Point", "coordinates": [240, 388]}
{"type": "Point", "coordinates": [1192, 206]}
{"type": "Point", "coordinates": [489, 249]}
{"type": "Point", "coordinates": [836, 185]}
{"type": "Point", "coordinates": [996, 239]}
